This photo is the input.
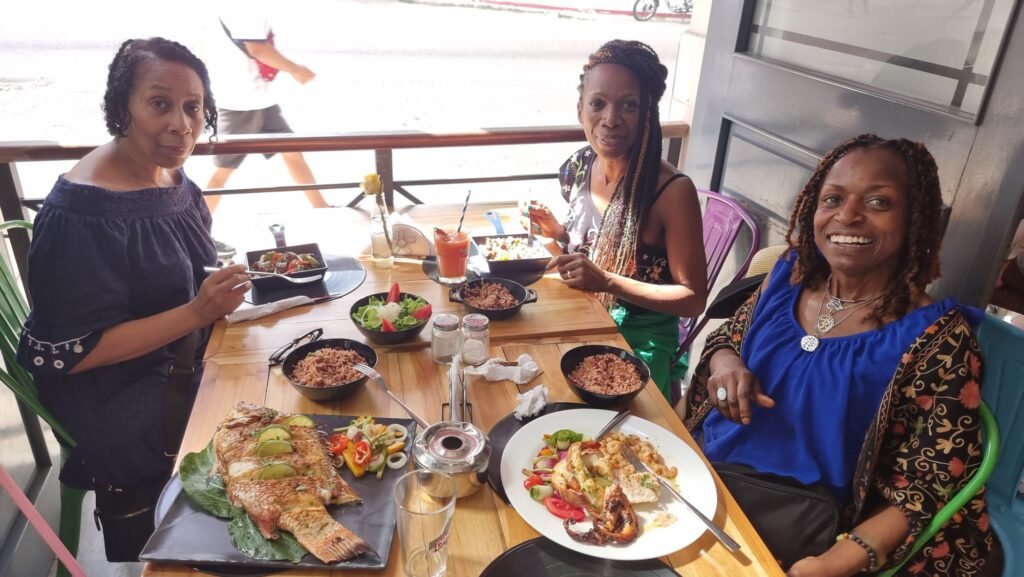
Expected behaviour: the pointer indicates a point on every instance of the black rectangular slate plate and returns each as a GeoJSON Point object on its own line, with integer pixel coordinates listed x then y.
{"type": "Point", "coordinates": [188, 535]}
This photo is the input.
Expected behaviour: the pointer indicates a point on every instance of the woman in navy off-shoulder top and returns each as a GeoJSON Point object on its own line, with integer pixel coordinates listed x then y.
{"type": "Point", "coordinates": [117, 283]}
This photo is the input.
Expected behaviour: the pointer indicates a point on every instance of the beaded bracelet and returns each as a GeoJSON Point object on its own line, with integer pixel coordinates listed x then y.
{"type": "Point", "coordinates": [872, 556]}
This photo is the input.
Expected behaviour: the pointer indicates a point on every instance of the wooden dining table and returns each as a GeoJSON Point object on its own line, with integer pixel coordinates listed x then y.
{"type": "Point", "coordinates": [484, 526]}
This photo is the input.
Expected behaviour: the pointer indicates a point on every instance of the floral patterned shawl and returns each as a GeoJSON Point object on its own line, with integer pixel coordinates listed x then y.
{"type": "Point", "coordinates": [923, 446]}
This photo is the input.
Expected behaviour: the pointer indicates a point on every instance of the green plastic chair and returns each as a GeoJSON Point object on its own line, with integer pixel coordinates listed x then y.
{"type": "Point", "coordinates": [960, 500]}
{"type": "Point", "coordinates": [13, 312]}
{"type": "Point", "coordinates": [1003, 390]}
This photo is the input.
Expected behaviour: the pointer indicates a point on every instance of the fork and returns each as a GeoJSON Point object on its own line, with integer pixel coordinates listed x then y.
{"type": "Point", "coordinates": [258, 274]}
{"type": "Point", "coordinates": [639, 465]}
{"type": "Point", "coordinates": [379, 379]}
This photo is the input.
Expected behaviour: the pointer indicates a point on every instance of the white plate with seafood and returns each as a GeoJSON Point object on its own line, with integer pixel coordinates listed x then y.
{"type": "Point", "coordinates": [693, 480]}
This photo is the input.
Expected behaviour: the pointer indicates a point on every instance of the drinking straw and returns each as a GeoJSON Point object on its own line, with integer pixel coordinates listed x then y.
{"type": "Point", "coordinates": [464, 207]}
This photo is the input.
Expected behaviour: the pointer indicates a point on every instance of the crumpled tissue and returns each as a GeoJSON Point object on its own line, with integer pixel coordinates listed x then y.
{"type": "Point", "coordinates": [532, 402]}
{"type": "Point", "coordinates": [249, 312]}
{"type": "Point", "coordinates": [520, 373]}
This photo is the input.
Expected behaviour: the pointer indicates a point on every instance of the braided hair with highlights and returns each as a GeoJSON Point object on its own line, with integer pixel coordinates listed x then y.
{"type": "Point", "coordinates": [624, 219]}
{"type": "Point", "coordinates": [125, 67]}
{"type": "Point", "coordinates": [919, 256]}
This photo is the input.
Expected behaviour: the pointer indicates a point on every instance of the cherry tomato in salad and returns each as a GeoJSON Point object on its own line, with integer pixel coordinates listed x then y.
{"type": "Point", "coordinates": [394, 293]}
{"type": "Point", "coordinates": [363, 452]}
{"type": "Point", "coordinates": [422, 313]}
{"type": "Point", "coordinates": [337, 443]}
{"type": "Point", "coordinates": [386, 326]}
{"type": "Point", "coordinates": [563, 510]}
{"type": "Point", "coordinates": [532, 480]}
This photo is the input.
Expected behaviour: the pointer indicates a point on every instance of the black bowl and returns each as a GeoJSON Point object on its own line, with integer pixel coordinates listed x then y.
{"type": "Point", "coordinates": [572, 358]}
{"type": "Point", "coordinates": [522, 294]}
{"type": "Point", "coordinates": [334, 391]}
{"type": "Point", "coordinates": [381, 337]}
{"type": "Point", "coordinates": [266, 283]}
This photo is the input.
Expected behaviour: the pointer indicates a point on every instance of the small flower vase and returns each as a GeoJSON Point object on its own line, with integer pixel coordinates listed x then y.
{"type": "Point", "coordinates": [380, 238]}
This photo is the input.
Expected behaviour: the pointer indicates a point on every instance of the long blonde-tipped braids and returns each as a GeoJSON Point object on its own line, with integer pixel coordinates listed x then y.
{"type": "Point", "coordinates": [624, 220]}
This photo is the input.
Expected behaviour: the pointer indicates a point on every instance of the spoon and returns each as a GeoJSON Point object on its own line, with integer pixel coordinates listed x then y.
{"type": "Point", "coordinates": [258, 274]}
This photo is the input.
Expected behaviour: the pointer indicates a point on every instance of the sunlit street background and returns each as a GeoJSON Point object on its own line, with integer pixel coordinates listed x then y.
{"type": "Point", "coordinates": [380, 64]}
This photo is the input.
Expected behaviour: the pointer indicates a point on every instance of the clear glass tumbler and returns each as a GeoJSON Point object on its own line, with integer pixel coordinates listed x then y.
{"type": "Point", "coordinates": [382, 257]}
{"type": "Point", "coordinates": [424, 504]}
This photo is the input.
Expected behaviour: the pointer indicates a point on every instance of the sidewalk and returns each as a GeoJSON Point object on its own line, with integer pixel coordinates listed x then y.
{"type": "Point", "coordinates": [566, 8]}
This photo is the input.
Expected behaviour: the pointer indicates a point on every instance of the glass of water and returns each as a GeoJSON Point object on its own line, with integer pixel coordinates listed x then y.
{"type": "Point", "coordinates": [425, 504]}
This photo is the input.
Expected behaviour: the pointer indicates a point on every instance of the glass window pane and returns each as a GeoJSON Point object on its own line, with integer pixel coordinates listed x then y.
{"type": "Point", "coordinates": [941, 52]}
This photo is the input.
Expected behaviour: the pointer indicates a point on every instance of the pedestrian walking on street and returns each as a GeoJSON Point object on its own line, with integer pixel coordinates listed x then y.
{"type": "Point", "coordinates": [243, 63]}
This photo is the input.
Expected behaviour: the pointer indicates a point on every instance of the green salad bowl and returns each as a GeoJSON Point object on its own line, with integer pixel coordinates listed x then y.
{"type": "Point", "coordinates": [379, 336]}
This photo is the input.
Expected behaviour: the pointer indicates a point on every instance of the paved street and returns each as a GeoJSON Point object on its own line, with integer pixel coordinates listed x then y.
{"type": "Point", "coordinates": [381, 65]}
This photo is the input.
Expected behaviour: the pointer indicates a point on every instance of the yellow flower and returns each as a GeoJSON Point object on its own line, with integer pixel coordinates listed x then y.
{"type": "Point", "coordinates": [371, 184]}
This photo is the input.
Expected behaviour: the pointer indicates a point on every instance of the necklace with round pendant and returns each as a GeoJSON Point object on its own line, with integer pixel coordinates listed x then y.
{"type": "Point", "coordinates": [809, 343]}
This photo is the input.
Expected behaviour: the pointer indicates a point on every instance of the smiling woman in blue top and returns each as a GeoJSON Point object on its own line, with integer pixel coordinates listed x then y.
{"type": "Point", "coordinates": [117, 285]}
{"type": "Point", "coordinates": [842, 373]}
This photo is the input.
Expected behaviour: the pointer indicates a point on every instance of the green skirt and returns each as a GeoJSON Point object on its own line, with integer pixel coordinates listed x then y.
{"type": "Point", "coordinates": [654, 337]}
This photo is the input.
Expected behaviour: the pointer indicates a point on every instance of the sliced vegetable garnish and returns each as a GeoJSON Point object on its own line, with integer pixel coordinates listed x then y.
{"type": "Point", "coordinates": [563, 510]}
{"type": "Point", "coordinates": [398, 432]}
{"type": "Point", "coordinates": [394, 293]}
{"type": "Point", "coordinates": [397, 460]}
{"type": "Point", "coordinates": [363, 452]}
{"type": "Point", "coordinates": [337, 443]}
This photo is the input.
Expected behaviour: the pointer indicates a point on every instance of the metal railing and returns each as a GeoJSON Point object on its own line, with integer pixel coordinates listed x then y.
{"type": "Point", "coordinates": [13, 204]}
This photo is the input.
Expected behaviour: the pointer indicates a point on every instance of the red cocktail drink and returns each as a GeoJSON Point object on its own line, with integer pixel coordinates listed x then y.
{"type": "Point", "coordinates": [452, 252]}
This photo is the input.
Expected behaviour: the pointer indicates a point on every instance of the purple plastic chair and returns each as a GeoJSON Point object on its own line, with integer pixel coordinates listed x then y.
{"type": "Point", "coordinates": [723, 220]}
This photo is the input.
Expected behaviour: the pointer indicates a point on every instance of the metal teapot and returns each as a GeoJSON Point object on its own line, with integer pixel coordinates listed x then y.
{"type": "Point", "coordinates": [455, 447]}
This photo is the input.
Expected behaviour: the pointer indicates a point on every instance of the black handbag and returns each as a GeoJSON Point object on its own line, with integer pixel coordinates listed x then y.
{"type": "Point", "coordinates": [793, 519]}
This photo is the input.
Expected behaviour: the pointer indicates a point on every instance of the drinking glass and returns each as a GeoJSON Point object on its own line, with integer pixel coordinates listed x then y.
{"type": "Point", "coordinates": [382, 257]}
{"type": "Point", "coordinates": [452, 251]}
{"type": "Point", "coordinates": [425, 503]}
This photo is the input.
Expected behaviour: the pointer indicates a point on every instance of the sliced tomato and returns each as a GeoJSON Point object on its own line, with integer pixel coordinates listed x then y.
{"type": "Point", "coordinates": [422, 313]}
{"type": "Point", "coordinates": [337, 443]}
{"type": "Point", "coordinates": [394, 293]}
{"type": "Point", "coordinates": [532, 480]}
{"type": "Point", "coordinates": [386, 326]}
{"type": "Point", "coordinates": [563, 510]}
{"type": "Point", "coordinates": [363, 452]}
{"type": "Point", "coordinates": [293, 266]}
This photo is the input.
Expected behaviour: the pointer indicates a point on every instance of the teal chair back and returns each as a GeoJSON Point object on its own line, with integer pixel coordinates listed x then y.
{"type": "Point", "coordinates": [1003, 390]}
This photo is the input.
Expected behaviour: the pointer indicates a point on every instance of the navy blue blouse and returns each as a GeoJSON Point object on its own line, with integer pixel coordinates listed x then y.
{"type": "Point", "coordinates": [824, 400]}
{"type": "Point", "coordinates": [99, 258]}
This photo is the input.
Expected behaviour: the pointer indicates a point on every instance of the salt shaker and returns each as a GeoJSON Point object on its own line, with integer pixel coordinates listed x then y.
{"type": "Point", "coordinates": [476, 338]}
{"type": "Point", "coordinates": [444, 338]}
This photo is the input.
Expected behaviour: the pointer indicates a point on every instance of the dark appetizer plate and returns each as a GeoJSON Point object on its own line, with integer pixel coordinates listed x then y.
{"type": "Point", "coordinates": [186, 534]}
{"type": "Point", "coordinates": [542, 557]}
{"type": "Point", "coordinates": [344, 275]}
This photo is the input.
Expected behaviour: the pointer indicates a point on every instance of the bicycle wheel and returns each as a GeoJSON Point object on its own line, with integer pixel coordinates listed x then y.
{"type": "Point", "coordinates": [643, 10]}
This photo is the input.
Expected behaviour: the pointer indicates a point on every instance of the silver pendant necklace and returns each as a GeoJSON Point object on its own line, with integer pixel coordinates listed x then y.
{"type": "Point", "coordinates": [826, 321]}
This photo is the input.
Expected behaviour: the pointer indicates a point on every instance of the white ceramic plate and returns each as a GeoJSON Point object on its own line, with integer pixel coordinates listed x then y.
{"type": "Point", "coordinates": [694, 482]}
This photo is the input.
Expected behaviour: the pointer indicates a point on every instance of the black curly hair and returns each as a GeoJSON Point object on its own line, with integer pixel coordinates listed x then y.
{"type": "Point", "coordinates": [125, 67]}
{"type": "Point", "coordinates": [626, 214]}
{"type": "Point", "coordinates": [919, 256]}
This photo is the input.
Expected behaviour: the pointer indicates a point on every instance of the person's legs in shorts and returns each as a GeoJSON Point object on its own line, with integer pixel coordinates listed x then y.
{"type": "Point", "coordinates": [274, 123]}
{"type": "Point", "coordinates": [231, 122]}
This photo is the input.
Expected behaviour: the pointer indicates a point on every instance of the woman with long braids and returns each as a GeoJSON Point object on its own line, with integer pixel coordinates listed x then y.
{"type": "Point", "coordinates": [633, 231]}
{"type": "Point", "coordinates": [840, 375]}
{"type": "Point", "coordinates": [121, 304]}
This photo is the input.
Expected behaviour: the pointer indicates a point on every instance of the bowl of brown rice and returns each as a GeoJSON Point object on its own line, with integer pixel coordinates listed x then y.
{"type": "Point", "coordinates": [603, 376]}
{"type": "Point", "coordinates": [322, 370]}
{"type": "Point", "coordinates": [495, 298]}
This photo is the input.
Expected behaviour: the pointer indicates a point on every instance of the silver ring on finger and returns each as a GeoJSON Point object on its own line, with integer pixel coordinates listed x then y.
{"type": "Point", "coordinates": [722, 393]}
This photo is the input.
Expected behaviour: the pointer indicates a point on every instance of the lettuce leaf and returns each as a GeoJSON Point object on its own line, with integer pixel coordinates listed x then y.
{"type": "Point", "coordinates": [207, 491]}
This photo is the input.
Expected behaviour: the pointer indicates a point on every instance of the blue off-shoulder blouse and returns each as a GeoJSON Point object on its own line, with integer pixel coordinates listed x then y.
{"type": "Point", "coordinates": [824, 400]}
{"type": "Point", "coordinates": [99, 258]}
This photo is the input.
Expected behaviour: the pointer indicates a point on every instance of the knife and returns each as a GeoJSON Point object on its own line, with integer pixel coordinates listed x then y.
{"type": "Point", "coordinates": [726, 540]}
